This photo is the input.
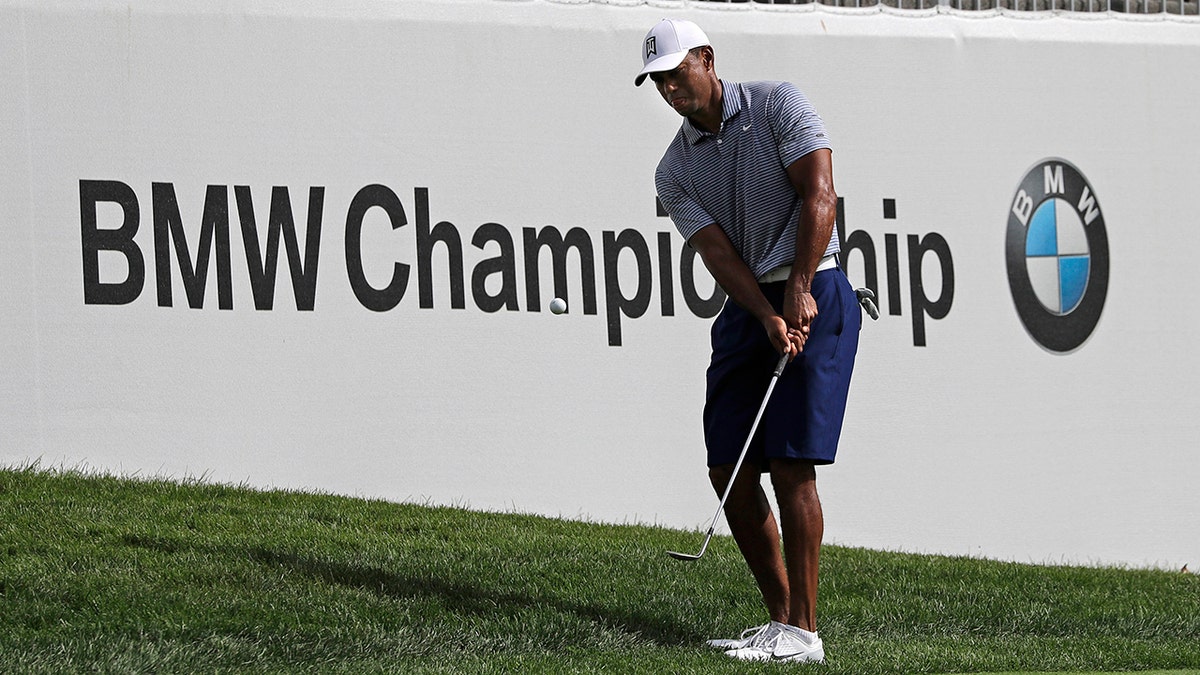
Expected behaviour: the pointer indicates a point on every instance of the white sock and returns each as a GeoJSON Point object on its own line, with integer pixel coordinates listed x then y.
{"type": "Point", "coordinates": [809, 637]}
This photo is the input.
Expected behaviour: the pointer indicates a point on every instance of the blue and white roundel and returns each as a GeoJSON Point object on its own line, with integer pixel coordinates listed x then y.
{"type": "Point", "coordinates": [1057, 256]}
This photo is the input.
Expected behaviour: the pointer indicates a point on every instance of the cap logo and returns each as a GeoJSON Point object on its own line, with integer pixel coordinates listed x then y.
{"type": "Point", "coordinates": [651, 46]}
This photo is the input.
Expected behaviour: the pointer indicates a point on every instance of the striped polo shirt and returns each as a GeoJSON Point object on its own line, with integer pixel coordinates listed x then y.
{"type": "Point", "coordinates": [738, 178]}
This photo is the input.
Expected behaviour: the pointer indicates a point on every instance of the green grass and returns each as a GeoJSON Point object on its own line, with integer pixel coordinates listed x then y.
{"type": "Point", "coordinates": [103, 574]}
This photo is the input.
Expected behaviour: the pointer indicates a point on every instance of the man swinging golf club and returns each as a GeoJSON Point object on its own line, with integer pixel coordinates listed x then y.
{"type": "Point", "coordinates": [748, 182]}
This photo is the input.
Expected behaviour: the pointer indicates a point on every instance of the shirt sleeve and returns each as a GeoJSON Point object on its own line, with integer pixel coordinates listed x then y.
{"type": "Point", "coordinates": [687, 214]}
{"type": "Point", "coordinates": [798, 128]}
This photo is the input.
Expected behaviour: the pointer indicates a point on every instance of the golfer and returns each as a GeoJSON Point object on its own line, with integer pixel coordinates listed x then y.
{"type": "Point", "coordinates": [748, 182]}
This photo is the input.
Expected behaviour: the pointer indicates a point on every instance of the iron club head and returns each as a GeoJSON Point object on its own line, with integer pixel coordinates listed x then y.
{"type": "Point", "coordinates": [703, 547]}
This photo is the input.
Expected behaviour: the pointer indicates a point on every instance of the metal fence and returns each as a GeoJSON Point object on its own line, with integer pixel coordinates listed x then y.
{"type": "Point", "coordinates": [1141, 7]}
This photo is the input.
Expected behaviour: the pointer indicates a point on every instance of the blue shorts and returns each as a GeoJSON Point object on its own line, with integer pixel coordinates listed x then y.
{"type": "Point", "coordinates": [803, 419]}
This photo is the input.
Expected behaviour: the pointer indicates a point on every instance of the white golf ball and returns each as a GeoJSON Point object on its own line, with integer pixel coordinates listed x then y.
{"type": "Point", "coordinates": [558, 305]}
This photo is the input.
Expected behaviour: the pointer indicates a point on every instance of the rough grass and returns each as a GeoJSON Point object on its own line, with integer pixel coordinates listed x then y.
{"type": "Point", "coordinates": [104, 574]}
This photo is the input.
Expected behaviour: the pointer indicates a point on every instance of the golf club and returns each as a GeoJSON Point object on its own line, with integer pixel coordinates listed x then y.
{"type": "Point", "coordinates": [783, 360]}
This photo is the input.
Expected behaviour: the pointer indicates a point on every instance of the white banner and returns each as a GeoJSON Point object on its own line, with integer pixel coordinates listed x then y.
{"type": "Point", "coordinates": [315, 247]}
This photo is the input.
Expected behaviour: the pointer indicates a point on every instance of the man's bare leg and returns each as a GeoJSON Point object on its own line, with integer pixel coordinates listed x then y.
{"type": "Point", "coordinates": [757, 535]}
{"type": "Point", "coordinates": [795, 483]}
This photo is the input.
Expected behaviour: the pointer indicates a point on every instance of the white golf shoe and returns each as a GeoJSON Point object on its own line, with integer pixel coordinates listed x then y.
{"type": "Point", "coordinates": [781, 642]}
{"type": "Point", "coordinates": [746, 638]}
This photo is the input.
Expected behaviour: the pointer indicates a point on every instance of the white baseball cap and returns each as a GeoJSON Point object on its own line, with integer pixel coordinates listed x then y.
{"type": "Point", "coordinates": [667, 44]}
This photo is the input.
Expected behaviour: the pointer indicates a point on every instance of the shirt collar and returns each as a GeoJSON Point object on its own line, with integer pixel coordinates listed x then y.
{"type": "Point", "coordinates": [731, 104]}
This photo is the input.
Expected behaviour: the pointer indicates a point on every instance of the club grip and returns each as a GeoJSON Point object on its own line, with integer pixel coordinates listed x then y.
{"type": "Point", "coordinates": [783, 361]}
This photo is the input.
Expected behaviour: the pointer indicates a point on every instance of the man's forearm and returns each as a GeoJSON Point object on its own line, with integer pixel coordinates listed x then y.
{"type": "Point", "coordinates": [817, 217]}
{"type": "Point", "coordinates": [736, 279]}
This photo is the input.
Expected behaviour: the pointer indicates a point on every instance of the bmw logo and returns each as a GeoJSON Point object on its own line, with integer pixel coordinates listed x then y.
{"type": "Point", "coordinates": [1057, 255]}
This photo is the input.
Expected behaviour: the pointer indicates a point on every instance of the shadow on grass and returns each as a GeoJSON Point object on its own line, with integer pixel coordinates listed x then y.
{"type": "Point", "coordinates": [477, 600]}
{"type": "Point", "coordinates": [461, 598]}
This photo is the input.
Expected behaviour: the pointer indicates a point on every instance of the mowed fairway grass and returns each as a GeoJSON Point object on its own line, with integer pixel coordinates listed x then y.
{"type": "Point", "coordinates": [104, 574]}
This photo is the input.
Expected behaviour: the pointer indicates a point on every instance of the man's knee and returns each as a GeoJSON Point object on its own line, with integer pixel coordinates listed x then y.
{"type": "Point", "coordinates": [719, 476]}
{"type": "Point", "coordinates": [790, 474]}
{"type": "Point", "coordinates": [748, 477]}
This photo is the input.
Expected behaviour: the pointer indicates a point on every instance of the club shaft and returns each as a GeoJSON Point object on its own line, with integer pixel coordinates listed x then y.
{"type": "Point", "coordinates": [749, 437]}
